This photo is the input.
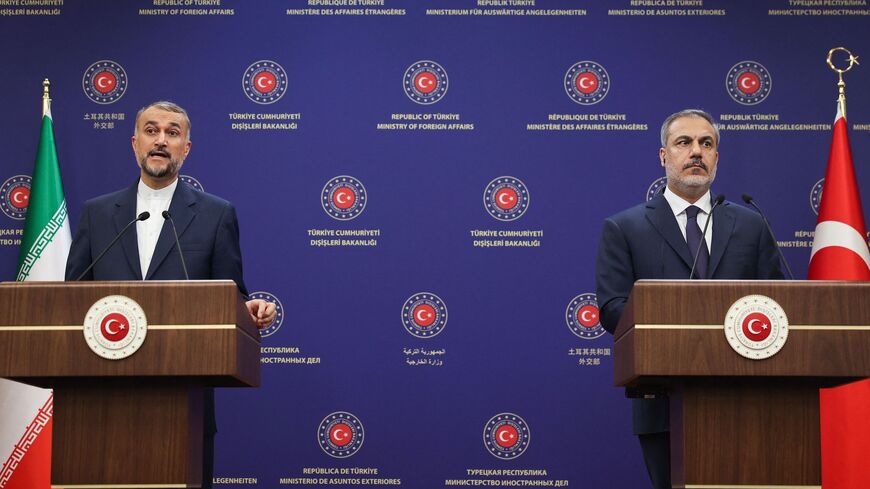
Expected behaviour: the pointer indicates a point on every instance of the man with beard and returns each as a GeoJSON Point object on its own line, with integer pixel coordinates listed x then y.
{"type": "Point", "coordinates": [659, 240]}
{"type": "Point", "coordinates": [207, 228]}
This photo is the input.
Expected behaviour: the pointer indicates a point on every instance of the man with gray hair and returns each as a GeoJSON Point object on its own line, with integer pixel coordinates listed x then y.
{"type": "Point", "coordinates": [659, 239]}
{"type": "Point", "coordinates": [207, 229]}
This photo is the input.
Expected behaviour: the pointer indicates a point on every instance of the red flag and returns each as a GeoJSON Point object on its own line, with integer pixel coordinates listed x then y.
{"type": "Point", "coordinates": [840, 247]}
{"type": "Point", "coordinates": [25, 436]}
{"type": "Point", "coordinates": [845, 436]}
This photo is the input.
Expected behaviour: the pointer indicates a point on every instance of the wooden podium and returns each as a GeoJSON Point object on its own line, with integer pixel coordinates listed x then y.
{"type": "Point", "coordinates": [138, 421]}
{"type": "Point", "coordinates": [737, 422]}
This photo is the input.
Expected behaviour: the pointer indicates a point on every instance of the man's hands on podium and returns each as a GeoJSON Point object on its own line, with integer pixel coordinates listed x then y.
{"type": "Point", "coordinates": [262, 312]}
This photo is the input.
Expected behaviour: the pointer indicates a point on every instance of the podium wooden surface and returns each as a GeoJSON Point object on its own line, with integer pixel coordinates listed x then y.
{"type": "Point", "coordinates": [138, 421]}
{"type": "Point", "coordinates": [737, 422]}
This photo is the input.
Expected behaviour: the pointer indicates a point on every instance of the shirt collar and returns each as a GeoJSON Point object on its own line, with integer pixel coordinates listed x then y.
{"type": "Point", "coordinates": [679, 205]}
{"type": "Point", "coordinates": [146, 192]}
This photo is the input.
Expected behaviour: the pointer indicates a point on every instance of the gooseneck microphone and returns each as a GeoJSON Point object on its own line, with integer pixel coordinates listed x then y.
{"type": "Point", "coordinates": [749, 200]}
{"type": "Point", "coordinates": [141, 217]}
{"type": "Point", "coordinates": [718, 200]}
{"type": "Point", "coordinates": [168, 217]}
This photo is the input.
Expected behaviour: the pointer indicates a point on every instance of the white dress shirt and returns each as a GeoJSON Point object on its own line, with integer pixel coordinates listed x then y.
{"type": "Point", "coordinates": [148, 231]}
{"type": "Point", "coordinates": [679, 205]}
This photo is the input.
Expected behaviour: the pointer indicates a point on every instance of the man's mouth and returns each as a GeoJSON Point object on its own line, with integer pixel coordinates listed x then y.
{"type": "Point", "coordinates": [157, 152]}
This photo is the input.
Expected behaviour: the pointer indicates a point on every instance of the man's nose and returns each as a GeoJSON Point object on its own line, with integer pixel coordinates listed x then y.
{"type": "Point", "coordinates": [161, 139]}
{"type": "Point", "coordinates": [696, 148]}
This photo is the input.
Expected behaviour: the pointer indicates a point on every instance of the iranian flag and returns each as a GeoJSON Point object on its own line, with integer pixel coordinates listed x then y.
{"type": "Point", "coordinates": [25, 411]}
{"type": "Point", "coordinates": [47, 237]}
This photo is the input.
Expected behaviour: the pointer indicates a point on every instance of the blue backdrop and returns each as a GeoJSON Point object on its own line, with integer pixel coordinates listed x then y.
{"type": "Point", "coordinates": [365, 201]}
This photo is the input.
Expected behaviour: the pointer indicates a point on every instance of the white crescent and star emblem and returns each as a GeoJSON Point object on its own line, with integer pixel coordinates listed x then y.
{"type": "Point", "coordinates": [424, 82]}
{"type": "Point", "coordinates": [585, 81]}
{"type": "Point", "coordinates": [101, 81]}
{"type": "Point", "coordinates": [340, 434]}
{"type": "Point", "coordinates": [19, 197]}
{"type": "Point", "coordinates": [114, 331]}
{"type": "Point", "coordinates": [505, 199]}
{"type": "Point", "coordinates": [747, 82]}
{"type": "Point", "coordinates": [587, 316]}
{"type": "Point", "coordinates": [505, 436]}
{"type": "Point", "coordinates": [264, 82]}
{"type": "Point", "coordinates": [423, 316]}
{"type": "Point", "coordinates": [751, 326]}
{"type": "Point", "coordinates": [341, 197]}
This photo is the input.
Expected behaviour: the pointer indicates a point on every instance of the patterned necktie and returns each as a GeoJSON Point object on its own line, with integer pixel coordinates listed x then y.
{"type": "Point", "coordinates": [694, 239]}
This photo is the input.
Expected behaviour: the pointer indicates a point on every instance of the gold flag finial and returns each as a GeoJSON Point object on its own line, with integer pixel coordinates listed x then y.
{"type": "Point", "coordinates": [46, 99]}
{"type": "Point", "coordinates": [841, 85]}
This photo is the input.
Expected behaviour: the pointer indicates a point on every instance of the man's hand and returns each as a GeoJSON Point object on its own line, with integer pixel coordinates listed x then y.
{"type": "Point", "coordinates": [262, 312]}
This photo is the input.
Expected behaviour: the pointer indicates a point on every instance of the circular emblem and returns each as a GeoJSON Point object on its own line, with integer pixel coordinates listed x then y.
{"type": "Point", "coordinates": [816, 195]}
{"type": "Point", "coordinates": [279, 313]}
{"type": "Point", "coordinates": [105, 82]}
{"type": "Point", "coordinates": [264, 82]}
{"type": "Point", "coordinates": [340, 434]}
{"type": "Point", "coordinates": [656, 187]}
{"type": "Point", "coordinates": [506, 198]}
{"type": "Point", "coordinates": [424, 315]}
{"type": "Point", "coordinates": [191, 182]}
{"type": "Point", "coordinates": [748, 82]}
{"type": "Point", "coordinates": [582, 316]}
{"type": "Point", "coordinates": [15, 195]}
{"type": "Point", "coordinates": [115, 327]}
{"type": "Point", "coordinates": [343, 197]}
{"type": "Point", "coordinates": [756, 327]}
{"type": "Point", "coordinates": [587, 82]}
{"type": "Point", "coordinates": [425, 82]}
{"type": "Point", "coordinates": [506, 436]}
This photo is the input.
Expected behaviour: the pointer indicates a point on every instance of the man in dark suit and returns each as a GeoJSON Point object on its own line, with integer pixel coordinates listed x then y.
{"type": "Point", "coordinates": [659, 240]}
{"type": "Point", "coordinates": [207, 228]}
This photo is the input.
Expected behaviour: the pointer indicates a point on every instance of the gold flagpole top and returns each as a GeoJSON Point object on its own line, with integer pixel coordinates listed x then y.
{"type": "Point", "coordinates": [46, 99]}
{"type": "Point", "coordinates": [841, 85]}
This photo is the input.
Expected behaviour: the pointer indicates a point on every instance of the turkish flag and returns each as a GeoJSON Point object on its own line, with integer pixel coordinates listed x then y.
{"type": "Point", "coordinates": [845, 435]}
{"type": "Point", "coordinates": [840, 247]}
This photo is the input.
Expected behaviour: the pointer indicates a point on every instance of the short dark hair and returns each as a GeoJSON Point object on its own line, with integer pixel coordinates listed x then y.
{"type": "Point", "coordinates": [168, 107]}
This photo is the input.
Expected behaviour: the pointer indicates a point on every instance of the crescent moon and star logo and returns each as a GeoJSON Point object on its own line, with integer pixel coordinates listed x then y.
{"type": "Point", "coordinates": [587, 82]}
{"type": "Point", "coordinates": [192, 182]}
{"type": "Point", "coordinates": [583, 317]}
{"type": "Point", "coordinates": [424, 315]}
{"type": "Point", "coordinates": [279, 312]}
{"type": "Point", "coordinates": [425, 82]}
{"type": "Point", "coordinates": [756, 327]}
{"type": "Point", "coordinates": [343, 198]}
{"type": "Point", "coordinates": [506, 436]}
{"type": "Point", "coordinates": [656, 187]}
{"type": "Point", "coordinates": [340, 434]}
{"type": "Point", "coordinates": [264, 82]}
{"type": "Point", "coordinates": [115, 327]}
{"type": "Point", "coordinates": [15, 196]}
{"type": "Point", "coordinates": [816, 196]}
{"type": "Point", "coordinates": [748, 82]}
{"type": "Point", "coordinates": [506, 198]}
{"type": "Point", "coordinates": [104, 82]}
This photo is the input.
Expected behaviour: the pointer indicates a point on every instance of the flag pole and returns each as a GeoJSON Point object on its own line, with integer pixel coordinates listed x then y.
{"type": "Point", "coordinates": [841, 85]}
{"type": "Point", "coordinates": [46, 99]}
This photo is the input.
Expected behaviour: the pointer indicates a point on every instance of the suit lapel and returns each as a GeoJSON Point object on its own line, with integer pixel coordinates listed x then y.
{"type": "Point", "coordinates": [661, 216]}
{"type": "Point", "coordinates": [723, 228]}
{"type": "Point", "coordinates": [125, 211]}
{"type": "Point", "coordinates": [182, 211]}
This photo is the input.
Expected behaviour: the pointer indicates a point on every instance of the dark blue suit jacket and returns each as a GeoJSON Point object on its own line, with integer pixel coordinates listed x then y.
{"type": "Point", "coordinates": [207, 229]}
{"type": "Point", "coordinates": [645, 242]}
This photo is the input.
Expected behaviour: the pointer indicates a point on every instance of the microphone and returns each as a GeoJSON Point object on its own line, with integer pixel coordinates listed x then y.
{"type": "Point", "coordinates": [749, 200]}
{"type": "Point", "coordinates": [718, 200]}
{"type": "Point", "coordinates": [168, 217]}
{"type": "Point", "coordinates": [141, 217]}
